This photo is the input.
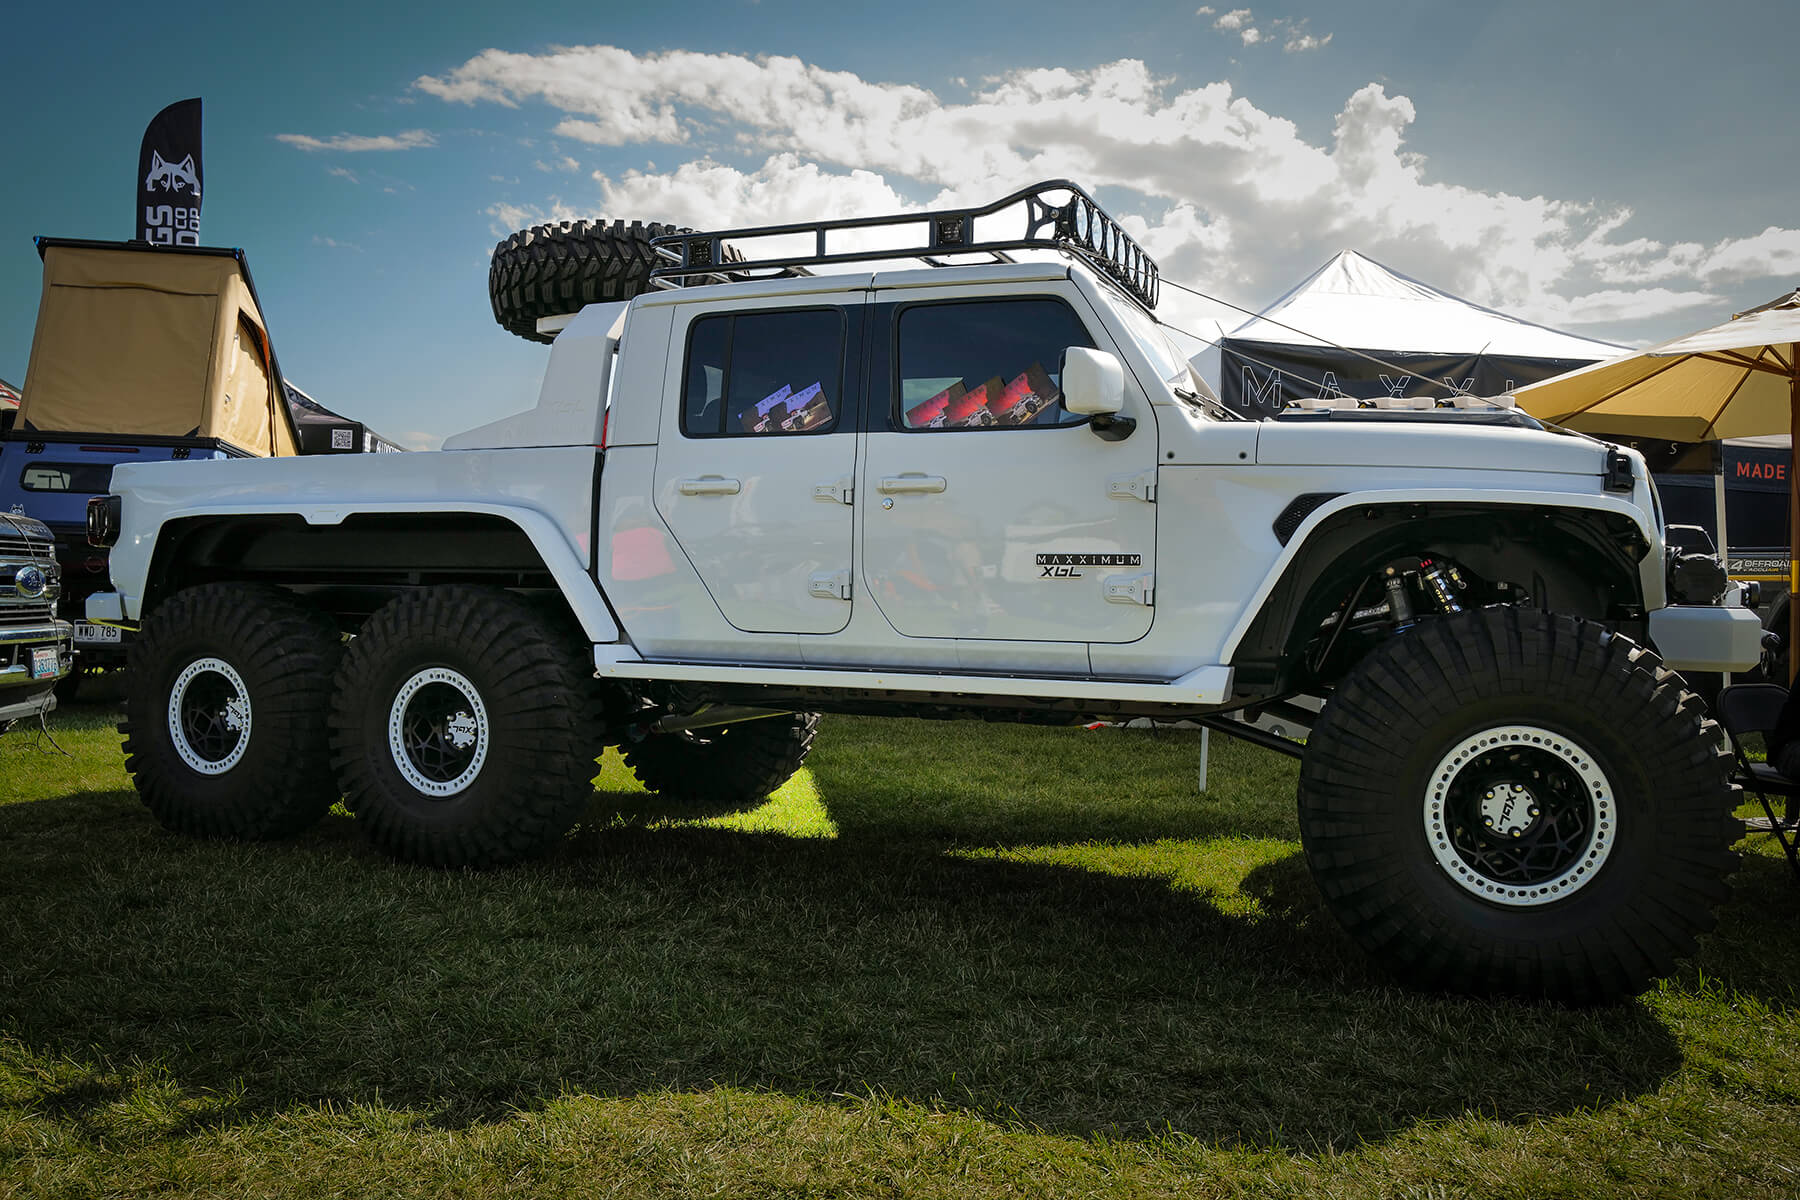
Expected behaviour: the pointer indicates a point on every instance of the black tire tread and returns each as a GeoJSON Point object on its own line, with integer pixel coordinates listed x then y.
{"type": "Point", "coordinates": [294, 650]}
{"type": "Point", "coordinates": [553, 269]}
{"type": "Point", "coordinates": [1406, 684]}
{"type": "Point", "coordinates": [544, 717]}
{"type": "Point", "coordinates": [736, 764]}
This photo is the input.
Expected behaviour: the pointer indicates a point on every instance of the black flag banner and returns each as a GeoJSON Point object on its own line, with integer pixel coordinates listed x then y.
{"type": "Point", "coordinates": [169, 175]}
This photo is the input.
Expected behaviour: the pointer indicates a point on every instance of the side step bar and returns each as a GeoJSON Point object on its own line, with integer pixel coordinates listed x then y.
{"type": "Point", "coordinates": [1203, 686]}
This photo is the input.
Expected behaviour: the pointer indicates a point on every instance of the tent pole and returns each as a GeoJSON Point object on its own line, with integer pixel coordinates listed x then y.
{"type": "Point", "coordinates": [1793, 631]}
{"type": "Point", "coordinates": [1724, 537]}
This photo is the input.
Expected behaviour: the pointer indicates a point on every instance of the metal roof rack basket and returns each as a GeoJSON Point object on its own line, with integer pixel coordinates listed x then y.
{"type": "Point", "coordinates": [1076, 225]}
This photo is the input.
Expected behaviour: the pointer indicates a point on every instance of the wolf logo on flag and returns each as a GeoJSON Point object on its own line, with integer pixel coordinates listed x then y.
{"type": "Point", "coordinates": [176, 176]}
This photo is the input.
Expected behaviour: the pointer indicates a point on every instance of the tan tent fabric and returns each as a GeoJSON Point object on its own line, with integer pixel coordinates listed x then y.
{"type": "Point", "coordinates": [152, 342]}
{"type": "Point", "coordinates": [1732, 380]}
{"type": "Point", "coordinates": [1740, 378]}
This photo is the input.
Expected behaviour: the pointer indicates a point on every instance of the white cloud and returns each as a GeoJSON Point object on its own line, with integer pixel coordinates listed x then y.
{"type": "Point", "coordinates": [1251, 35]}
{"type": "Point", "coordinates": [508, 218]}
{"type": "Point", "coordinates": [1205, 10]}
{"type": "Point", "coordinates": [1229, 197]}
{"type": "Point", "coordinates": [344, 173]}
{"type": "Point", "coordinates": [1298, 42]}
{"type": "Point", "coordinates": [354, 143]}
{"type": "Point", "coordinates": [334, 244]}
{"type": "Point", "coordinates": [1237, 18]}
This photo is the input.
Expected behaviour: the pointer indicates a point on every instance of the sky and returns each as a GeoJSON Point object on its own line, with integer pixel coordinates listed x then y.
{"type": "Point", "coordinates": [1625, 171]}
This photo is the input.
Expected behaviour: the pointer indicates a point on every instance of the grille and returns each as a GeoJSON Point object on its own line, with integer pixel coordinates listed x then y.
{"type": "Point", "coordinates": [29, 549]}
{"type": "Point", "coordinates": [29, 540]}
{"type": "Point", "coordinates": [24, 613]}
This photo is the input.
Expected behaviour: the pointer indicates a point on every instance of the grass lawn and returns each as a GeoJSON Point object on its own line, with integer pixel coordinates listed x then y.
{"type": "Point", "coordinates": [946, 960]}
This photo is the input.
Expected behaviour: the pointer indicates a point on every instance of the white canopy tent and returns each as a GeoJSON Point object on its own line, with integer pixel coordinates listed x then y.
{"type": "Point", "coordinates": [1345, 327]}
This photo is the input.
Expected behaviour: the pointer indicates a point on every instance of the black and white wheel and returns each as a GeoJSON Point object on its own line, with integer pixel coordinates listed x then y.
{"type": "Point", "coordinates": [465, 728]}
{"type": "Point", "coordinates": [225, 712]}
{"type": "Point", "coordinates": [1514, 803]}
{"type": "Point", "coordinates": [732, 765]}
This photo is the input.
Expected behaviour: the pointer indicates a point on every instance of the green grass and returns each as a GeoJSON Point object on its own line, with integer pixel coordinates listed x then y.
{"type": "Point", "coordinates": [946, 960]}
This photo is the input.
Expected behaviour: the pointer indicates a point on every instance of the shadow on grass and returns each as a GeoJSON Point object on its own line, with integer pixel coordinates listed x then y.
{"type": "Point", "coordinates": [1084, 957]}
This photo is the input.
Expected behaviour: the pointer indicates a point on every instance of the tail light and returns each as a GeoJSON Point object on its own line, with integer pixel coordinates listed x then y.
{"type": "Point", "coordinates": [103, 514]}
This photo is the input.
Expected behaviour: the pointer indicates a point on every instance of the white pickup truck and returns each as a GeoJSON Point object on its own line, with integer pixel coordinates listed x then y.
{"type": "Point", "coordinates": [751, 493]}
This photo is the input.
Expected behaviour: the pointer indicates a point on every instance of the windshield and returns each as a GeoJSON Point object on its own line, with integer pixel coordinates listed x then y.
{"type": "Point", "coordinates": [1166, 357]}
{"type": "Point", "coordinates": [1170, 365]}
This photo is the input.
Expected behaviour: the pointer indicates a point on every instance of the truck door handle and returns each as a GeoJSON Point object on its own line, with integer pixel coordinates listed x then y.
{"type": "Point", "coordinates": [710, 485]}
{"type": "Point", "coordinates": [912, 481]}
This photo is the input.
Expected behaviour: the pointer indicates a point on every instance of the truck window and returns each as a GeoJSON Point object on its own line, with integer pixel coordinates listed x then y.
{"type": "Point", "coordinates": [764, 373]}
{"type": "Point", "coordinates": [986, 364]}
{"type": "Point", "coordinates": [89, 478]}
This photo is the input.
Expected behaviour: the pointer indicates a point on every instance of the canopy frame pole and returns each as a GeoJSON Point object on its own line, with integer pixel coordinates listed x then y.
{"type": "Point", "coordinates": [1793, 632]}
{"type": "Point", "coordinates": [1719, 503]}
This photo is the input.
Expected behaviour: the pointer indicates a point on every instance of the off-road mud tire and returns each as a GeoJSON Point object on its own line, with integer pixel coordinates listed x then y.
{"type": "Point", "coordinates": [551, 270]}
{"type": "Point", "coordinates": [730, 765]}
{"type": "Point", "coordinates": [1630, 901]}
{"type": "Point", "coordinates": [278, 782]}
{"type": "Point", "coordinates": [527, 694]}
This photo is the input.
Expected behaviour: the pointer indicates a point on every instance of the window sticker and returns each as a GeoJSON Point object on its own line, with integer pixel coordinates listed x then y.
{"type": "Point", "coordinates": [759, 417]}
{"type": "Point", "coordinates": [1026, 398]}
{"type": "Point", "coordinates": [930, 413]}
{"type": "Point", "coordinates": [788, 411]}
{"type": "Point", "coordinates": [970, 411]}
{"type": "Point", "coordinates": [994, 403]}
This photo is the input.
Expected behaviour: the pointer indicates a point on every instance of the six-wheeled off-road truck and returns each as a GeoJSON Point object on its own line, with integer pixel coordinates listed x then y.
{"type": "Point", "coordinates": [760, 486]}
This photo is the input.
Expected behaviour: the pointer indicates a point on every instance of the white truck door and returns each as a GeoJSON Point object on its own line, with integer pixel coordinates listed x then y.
{"type": "Point", "coordinates": [988, 511]}
{"type": "Point", "coordinates": [756, 457]}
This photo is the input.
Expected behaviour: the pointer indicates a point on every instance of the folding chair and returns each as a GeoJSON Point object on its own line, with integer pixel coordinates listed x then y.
{"type": "Point", "coordinates": [1748, 708]}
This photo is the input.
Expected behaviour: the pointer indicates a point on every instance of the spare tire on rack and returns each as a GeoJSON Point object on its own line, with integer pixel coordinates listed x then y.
{"type": "Point", "coordinates": [553, 270]}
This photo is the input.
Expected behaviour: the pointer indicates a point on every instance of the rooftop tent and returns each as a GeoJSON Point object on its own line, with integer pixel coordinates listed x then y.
{"type": "Point", "coordinates": [167, 342]}
{"type": "Point", "coordinates": [1312, 343]}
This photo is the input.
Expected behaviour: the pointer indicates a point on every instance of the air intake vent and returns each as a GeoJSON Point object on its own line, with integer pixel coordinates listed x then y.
{"type": "Point", "coordinates": [1298, 509]}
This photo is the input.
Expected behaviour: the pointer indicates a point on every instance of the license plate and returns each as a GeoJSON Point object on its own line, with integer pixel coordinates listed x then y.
{"type": "Point", "coordinates": [44, 662]}
{"type": "Point", "coordinates": [95, 633]}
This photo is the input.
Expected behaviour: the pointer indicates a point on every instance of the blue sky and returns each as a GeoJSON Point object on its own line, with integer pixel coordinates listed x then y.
{"type": "Point", "coordinates": [1626, 171]}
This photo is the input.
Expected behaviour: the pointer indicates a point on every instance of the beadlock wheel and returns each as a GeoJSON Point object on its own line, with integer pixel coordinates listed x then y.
{"type": "Point", "coordinates": [1520, 816]}
{"type": "Point", "coordinates": [1512, 802]}
{"type": "Point", "coordinates": [209, 716]}
{"type": "Point", "coordinates": [225, 703]}
{"type": "Point", "coordinates": [438, 731]}
{"type": "Point", "coordinates": [465, 727]}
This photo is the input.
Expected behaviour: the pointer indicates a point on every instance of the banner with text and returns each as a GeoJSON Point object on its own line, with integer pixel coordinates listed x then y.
{"type": "Point", "coordinates": [169, 177]}
{"type": "Point", "coordinates": [1259, 379]}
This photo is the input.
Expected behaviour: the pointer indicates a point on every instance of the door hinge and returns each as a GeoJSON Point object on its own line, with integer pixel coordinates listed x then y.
{"type": "Point", "coordinates": [830, 585]}
{"type": "Point", "coordinates": [1141, 486]}
{"type": "Point", "coordinates": [1131, 589]}
{"type": "Point", "coordinates": [841, 490]}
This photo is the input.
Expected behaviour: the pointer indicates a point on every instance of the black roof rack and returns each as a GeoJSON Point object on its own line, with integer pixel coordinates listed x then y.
{"type": "Point", "coordinates": [1076, 225]}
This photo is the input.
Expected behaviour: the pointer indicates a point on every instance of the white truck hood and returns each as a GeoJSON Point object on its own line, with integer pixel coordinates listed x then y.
{"type": "Point", "coordinates": [1415, 443]}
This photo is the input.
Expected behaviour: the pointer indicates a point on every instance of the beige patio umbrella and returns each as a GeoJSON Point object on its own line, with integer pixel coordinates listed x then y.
{"type": "Point", "coordinates": [1737, 379]}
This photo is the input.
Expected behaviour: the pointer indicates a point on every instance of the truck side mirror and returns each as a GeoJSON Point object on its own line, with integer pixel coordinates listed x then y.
{"type": "Point", "coordinates": [1093, 385]}
{"type": "Point", "coordinates": [1093, 382]}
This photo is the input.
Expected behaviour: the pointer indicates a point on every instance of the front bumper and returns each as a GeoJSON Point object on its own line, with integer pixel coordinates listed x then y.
{"type": "Point", "coordinates": [1700, 637]}
{"type": "Point", "coordinates": [26, 688]}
